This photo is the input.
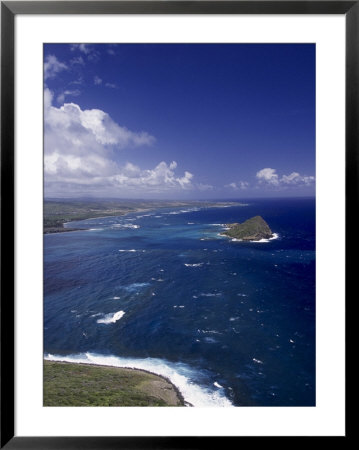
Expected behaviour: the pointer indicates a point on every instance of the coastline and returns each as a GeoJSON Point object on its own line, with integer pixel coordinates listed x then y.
{"type": "Point", "coordinates": [178, 393]}
{"type": "Point", "coordinates": [62, 229]}
{"type": "Point", "coordinates": [115, 214]}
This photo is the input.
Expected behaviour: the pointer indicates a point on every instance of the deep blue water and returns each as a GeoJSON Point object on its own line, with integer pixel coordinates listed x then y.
{"type": "Point", "coordinates": [236, 319]}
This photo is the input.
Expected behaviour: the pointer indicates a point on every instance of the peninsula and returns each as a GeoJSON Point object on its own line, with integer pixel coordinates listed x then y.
{"type": "Point", "coordinates": [253, 229]}
{"type": "Point", "coordinates": [69, 384]}
{"type": "Point", "coordinates": [57, 212]}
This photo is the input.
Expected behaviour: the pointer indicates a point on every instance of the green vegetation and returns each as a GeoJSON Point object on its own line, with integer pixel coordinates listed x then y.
{"type": "Point", "coordinates": [68, 384]}
{"type": "Point", "coordinates": [58, 212]}
{"type": "Point", "coordinates": [252, 229]}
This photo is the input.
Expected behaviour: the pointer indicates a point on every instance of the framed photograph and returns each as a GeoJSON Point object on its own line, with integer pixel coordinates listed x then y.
{"type": "Point", "coordinates": [175, 181]}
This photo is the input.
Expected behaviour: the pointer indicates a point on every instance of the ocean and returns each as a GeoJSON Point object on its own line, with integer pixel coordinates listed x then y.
{"type": "Point", "coordinates": [230, 323]}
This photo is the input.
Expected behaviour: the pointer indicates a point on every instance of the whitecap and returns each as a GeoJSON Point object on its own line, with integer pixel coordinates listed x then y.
{"type": "Point", "coordinates": [111, 317]}
{"type": "Point", "coordinates": [126, 225]}
{"type": "Point", "coordinates": [181, 375]}
{"type": "Point", "coordinates": [209, 331]}
{"type": "Point", "coordinates": [135, 286]}
{"type": "Point", "coordinates": [194, 265]}
{"type": "Point", "coordinates": [210, 340]}
{"type": "Point", "coordinates": [258, 361]}
{"type": "Point", "coordinates": [210, 294]}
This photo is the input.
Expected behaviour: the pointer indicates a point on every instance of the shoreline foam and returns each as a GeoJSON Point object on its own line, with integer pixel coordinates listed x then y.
{"type": "Point", "coordinates": [178, 374]}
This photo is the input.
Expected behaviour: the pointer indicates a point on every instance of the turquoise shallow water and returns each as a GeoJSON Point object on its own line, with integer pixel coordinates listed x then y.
{"type": "Point", "coordinates": [231, 323]}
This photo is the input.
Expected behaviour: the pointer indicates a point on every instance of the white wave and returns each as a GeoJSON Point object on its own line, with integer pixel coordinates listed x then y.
{"type": "Point", "coordinates": [210, 340]}
{"type": "Point", "coordinates": [132, 250]}
{"type": "Point", "coordinates": [126, 225]}
{"type": "Point", "coordinates": [209, 331]}
{"type": "Point", "coordinates": [194, 265]}
{"type": "Point", "coordinates": [116, 298]}
{"type": "Point", "coordinates": [258, 361]}
{"type": "Point", "coordinates": [190, 223]}
{"type": "Point", "coordinates": [217, 385]}
{"type": "Point", "coordinates": [112, 317]}
{"type": "Point", "coordinates": [261, 241]}
{"type": "Point", "coordinates": [180, 374]}
{"type": "Point", "coordinates": [135, 286]}
{"type": "Point", "coordinates": [95, 229]}
{"type": "Point", "coordinates": [210, 294]}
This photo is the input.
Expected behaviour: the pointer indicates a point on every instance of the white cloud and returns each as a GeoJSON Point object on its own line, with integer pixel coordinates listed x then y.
{"type": "Point", "coordinates": [80, 155]}
{"type": "Point", "coordinates": [53, 66]}
{"type": "Point", "coordinates": [61, 97]}
{"type": "Point", "coordinates": [79, 81]}
{"type": "Point", "coordinates": [237, 186]}
{"type": "Point", "coordinates": [89, 128]}
{"type": "Point", "coordinates": [296, 179]}
{"type": "Point", "coordinates": [84, 48]}
{"type": "Point", "coordinates": [91, 54]}
{"type": "Point", "coordinates": [243, 184]}
{"type": "Point", "coordinates": [111, 85]}
{"type": "Point", "coordinates": [204, 187]}
{"type": "Point", "coordinates": [270, 177]}
{"type": "Point", "coordinates": [77, 60]}
{"type": "Point", "coordinates": [160, 179]}
{"type": "Point", "coordinates": [97, 80]}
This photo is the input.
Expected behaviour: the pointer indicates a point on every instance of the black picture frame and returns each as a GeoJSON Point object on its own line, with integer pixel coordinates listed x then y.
{"type": "Point", "coordinates": [9, 9]}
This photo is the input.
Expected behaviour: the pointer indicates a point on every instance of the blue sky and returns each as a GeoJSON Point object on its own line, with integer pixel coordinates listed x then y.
{"type": "Point", "coordinates": [180, 121]}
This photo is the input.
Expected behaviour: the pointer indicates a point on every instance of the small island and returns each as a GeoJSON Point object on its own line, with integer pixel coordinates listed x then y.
{"type": "Point", "coordinates": [253, 229]}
